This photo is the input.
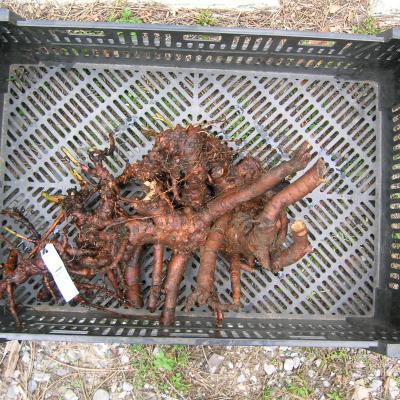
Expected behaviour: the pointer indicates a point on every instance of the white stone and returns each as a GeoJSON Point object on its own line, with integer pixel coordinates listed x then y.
{"type": "Point", "coordinates": [74, 356]}
{"type": "Point", "coordinates": [326, 384]}
{"type": "Point", "coordinates": [268, 349]}
{"type": "Point", "coordinates": [156, 350]}
{"type": "Point", "coordinates": [26, 358]}
{"type": "Point", "coordinates": [377, 373]}
{"type": "Point", "coordinates": [230, 365]}
{"type": "Point", "coordinates": [124, 359]}
{"type": "Point", "coordinates": [215, 362]}
{"type": "Point", "coordinates": [375, 385]}
{"type": "Point", "coordinates": [311, 373]}
{"type": "Point", "coordinates": [101, 394]}
{"type": "Point", "coordinates": [41, 376]}
{"type": "Point", "coordinates": [12, 392]}
{"type": "Point", "coordinates": [69, 395]}
{"type": "Point", "coordinates": [288, 365]}
{"type": "Point", "coordinates": [62, 372]}
{"type": "Point", "coordinates": [32, 386]}
{"type": "Point", "coordinates": [241, 378]}
{"type": "Point", "coordinates": [318, 363]}
{"type": "Point", "coordinates": [360, 393]}
{"type": "Point", "coordinates": [385, 7]}
{"type": "Point", "coordinates": [269, 369]}
{"type": "Point", "coordinates": [253, 379]}
{"type": "Point", "coordinates": [296, 362]}
{"type": "Point", "coordinates": [242, 388]}
{"type": "Point", "coordinates": [359, 365]}
{"type": "Point", "coordinates": [102, 349]}
{"type": "Point", "coordinates": [127, 387]}
{"type": "Point", "coordinates": [393, 389]}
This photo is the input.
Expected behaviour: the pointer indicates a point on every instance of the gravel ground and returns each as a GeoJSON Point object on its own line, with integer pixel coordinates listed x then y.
{"type": "Point", "coordinates": [47, 370]}
{"type": "Point", "coordinates": [320, 15]}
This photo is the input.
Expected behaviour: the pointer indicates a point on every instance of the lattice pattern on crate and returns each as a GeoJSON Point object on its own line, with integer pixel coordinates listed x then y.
{"type": "Point", "coordinates": [394, 277]}
{"type": "Point", "coordinates": [194, 47]}
{"type": "Point", "coordinates": [267, 115]}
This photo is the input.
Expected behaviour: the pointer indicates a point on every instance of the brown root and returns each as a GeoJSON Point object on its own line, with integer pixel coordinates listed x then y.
{"type": "Point", "coordinates": [156, 279]}
{"type": "Point", "coordinates": [176, 268]}
{"type": "Point", "coordinates": [194, 197]}
{"type": "Point", "coordinates": [132, 278]}
{"type": "Point", "coordinates": [300, 247]}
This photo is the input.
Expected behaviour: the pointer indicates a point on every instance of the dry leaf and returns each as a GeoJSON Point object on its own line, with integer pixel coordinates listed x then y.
{"type": "Point", "coordinates": [12, 348]}
{"type": "Point", "coordinates": [334, 8]}
{"type": "Point", "coordinates": [152, 185]}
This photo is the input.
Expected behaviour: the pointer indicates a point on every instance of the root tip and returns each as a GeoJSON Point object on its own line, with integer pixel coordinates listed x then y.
{"type": "Point", "coordinates": [167, 318]}
{"type": "Point", "coordinates": [298, 226]}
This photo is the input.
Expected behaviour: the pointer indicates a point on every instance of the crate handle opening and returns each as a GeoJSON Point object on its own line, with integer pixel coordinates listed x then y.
{"type": "Point", "coordinates": [203, 38]}
{"type": "Point", "coordinates": [314, 42]}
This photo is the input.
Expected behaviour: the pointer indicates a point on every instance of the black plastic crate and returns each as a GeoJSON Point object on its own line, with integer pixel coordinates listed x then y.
{"type": "Point", "coordinates": [70, 83]}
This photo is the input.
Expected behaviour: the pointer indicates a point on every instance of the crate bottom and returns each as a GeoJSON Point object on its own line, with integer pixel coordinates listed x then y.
{"type": "Point", "coordinates": [265, 114]}
{"type": "Point", "coordinates": [196, 330]}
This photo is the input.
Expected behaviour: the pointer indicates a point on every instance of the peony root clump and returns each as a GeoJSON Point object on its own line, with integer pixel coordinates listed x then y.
{"type": "Point", "coordinates": [194, 197]}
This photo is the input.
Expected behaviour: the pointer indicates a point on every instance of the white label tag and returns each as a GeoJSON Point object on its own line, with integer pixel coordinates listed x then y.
{"type": "Point", "coordinates": [56, 266]}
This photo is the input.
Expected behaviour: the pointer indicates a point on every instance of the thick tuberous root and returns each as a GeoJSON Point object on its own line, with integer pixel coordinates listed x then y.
{"type": "Point", "coordinates": [193, 197]}
{"type": "Point", "coordinates": [296, 251]}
